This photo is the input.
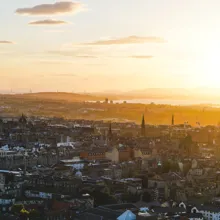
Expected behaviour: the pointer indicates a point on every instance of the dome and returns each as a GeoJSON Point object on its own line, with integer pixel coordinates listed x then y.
{"type": "Point", "coordinates": [78, 174]}
{"type": "Point", "coordinates": [128, 215]}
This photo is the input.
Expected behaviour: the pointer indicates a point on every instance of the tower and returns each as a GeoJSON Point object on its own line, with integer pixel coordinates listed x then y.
{"type": "Point", "coordinates": [109, 134]}
{"type": "Point", "coordinates": [172, 122]}
{"type": "Point", "coordinates": [1, 125]}
{"type": "Point", "coordinates": [143, 127]}
{"type": "Point", "coordinates": [110, 130]}
{"type": "Point", "coordinates": [23, 120]}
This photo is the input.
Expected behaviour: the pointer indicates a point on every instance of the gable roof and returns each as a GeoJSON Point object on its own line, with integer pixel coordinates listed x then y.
{"type": "Point", "coordinates": [127, 215]}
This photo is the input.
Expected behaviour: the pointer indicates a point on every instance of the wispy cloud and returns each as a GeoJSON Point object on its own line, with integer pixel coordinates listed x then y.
{"type": "Point", "coordinates": [48, 22]}
{"type": "Point", "coordinates": [127, 40]}
{"type": "Point", "coordinates": [65, 75]}
{"type": "Point", "coordinates": [76, 54]}
{"type": "Point", "coordinates": [86, 56]}
{"type": "Point", "coordinates": [53, 62]}
{"type": "Point", "coordinates": [57, 75]}
{"type": "Point", "coordinates": [141, 57]}
{"type": "Point", "coordinates": [55, 31]}
{"type": "Point", "coordinates": [6, 42]}
{"type": "Point", "coordinates": [51, 9]}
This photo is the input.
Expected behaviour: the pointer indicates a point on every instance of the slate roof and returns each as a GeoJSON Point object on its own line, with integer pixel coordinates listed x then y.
{"type": "Point", "coordinates": [194, 215]}
{"type": "Point", "coordinates": [141, 204]}
{"type": "Point", "coordinates": [169, 210]}
{"type": "Point", "coordinates": [99, 213]}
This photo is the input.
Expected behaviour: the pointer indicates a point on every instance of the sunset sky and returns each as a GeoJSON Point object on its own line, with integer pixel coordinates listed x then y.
{"type": "Point", "coordinates": [101, 45]}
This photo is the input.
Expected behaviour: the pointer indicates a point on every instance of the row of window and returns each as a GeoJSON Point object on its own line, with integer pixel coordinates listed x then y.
{"type": "Point", "coordinates": [96, 154]}
{"type": "Point", "coordinates": [145, 152]}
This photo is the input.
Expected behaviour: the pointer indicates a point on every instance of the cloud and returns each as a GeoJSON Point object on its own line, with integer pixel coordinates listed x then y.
{"type": "Point", "coordinates": [76, 54]}
{"type": "Point", "coordinates": [55, 31]}
{"type": "Point", "coordinates": [127, 40]}
{"type": "Point", "coordinates": [48, 22]}
{"type": "Point", "coordinates": [86, 56]}
{"type": "Point", "coordinates": [141, 57]}
{"type": "Point", "coordinates": [53, 62]}
{"type": "Point", "coordinates": [51, 9]}
{"type": "Point", "coordinates": [6, 42]}
{"type": "Point", "coordinates": [66, 75]}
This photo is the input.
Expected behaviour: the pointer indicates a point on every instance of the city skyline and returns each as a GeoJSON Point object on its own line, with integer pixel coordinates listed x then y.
{"type": "Point", "coordinates": [95, 46]}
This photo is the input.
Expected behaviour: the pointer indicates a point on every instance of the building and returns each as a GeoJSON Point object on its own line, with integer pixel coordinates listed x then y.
{"type": "Point", "coordinates": [95, 154]}
{"type": "Point", "coordinates": [119, 154]}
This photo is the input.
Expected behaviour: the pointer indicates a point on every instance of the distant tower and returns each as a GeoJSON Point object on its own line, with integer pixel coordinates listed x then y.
{"type": "Point", "coordinates": [110, 129]}
{"type": "Point", "coordinates": [109, 134]}
{"type": "Point", "coordinates": [172, 122]}
{"type": "Point", "coordinates": [23, 120]}
{"type": "Point", "coordinates": [1, 125]}
{"type": "Point", "coordinates": [143, 127]}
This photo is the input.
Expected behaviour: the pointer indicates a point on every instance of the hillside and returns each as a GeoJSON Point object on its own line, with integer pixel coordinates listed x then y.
{"type": "Point", "coordinates": [55, 96]}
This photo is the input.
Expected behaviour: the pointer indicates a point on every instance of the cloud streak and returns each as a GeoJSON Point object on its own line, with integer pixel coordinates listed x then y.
{"type": "Point", "coordinates": [64, 7]}
{"type": "Point", "coordinates": [48, 22]}
{"type": "Point", "coordinates": [127, 40]}
{"type": "Point", "coordinates": [76, 54]}
{"type": "Point", "coordinates": [6, 42]}
{"type": "Point", "coordinates": [141, 57]}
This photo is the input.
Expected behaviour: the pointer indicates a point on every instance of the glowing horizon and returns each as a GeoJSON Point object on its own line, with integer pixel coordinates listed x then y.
{"type": "Point", "coordinates": [79, 46]}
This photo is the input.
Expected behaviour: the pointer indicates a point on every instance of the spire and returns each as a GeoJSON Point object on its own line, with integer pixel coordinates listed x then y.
{"type": "Point", "coordinates": [172, 122]}
{"type": "Point", "coordinates": [110, 129]}
{"type": "Point", "coordinates": [143, 126]}
{"type": "Point", "coordinates": [23, 119]}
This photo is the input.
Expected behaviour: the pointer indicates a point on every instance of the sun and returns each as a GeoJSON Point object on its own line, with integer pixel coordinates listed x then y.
{"type": "Point", "coordinates": [209, 74]}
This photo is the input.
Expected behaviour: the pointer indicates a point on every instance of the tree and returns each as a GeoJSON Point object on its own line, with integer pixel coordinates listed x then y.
{"type": "Point", "coordinates": [130, 198]}
{"type": "Point", "coordinates": [16, 209]}
{"type": "Point", "coordinates": [145, 181]}
{"type": "Point", "coordinates": [101, 198]}
{"type": "Point", "coordinates": [166, 166]}
{"type": "Point", "coordinates": [186, 168]}
{"type": "Point", "coordinates": [174, 167]}
{"type": "Point", "coordinates": [146, 197]}
{"type": "Point", "coordinates": [24, 214]}
{"type": "Point", "coordinates": [33, 214]}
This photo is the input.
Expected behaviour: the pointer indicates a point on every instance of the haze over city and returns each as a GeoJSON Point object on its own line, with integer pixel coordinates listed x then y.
{"type": "Point", "coordinates": [109, 110]}
{"type": "Point", "coordinates": [107, 45]}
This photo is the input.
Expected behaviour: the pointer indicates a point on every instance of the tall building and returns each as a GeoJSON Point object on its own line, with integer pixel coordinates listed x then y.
{"type": "Point", "coordinates": [143, 127]}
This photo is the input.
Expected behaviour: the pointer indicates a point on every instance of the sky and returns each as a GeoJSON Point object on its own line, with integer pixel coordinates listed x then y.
{"type": "Point", "coordinates": [109, 45]}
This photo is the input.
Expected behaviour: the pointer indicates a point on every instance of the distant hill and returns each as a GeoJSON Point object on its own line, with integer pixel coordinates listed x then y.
{"type": "Point", "coordinates": [148, 93]}
{"type": "Point", "coordinates": [169, 93]}
{"type": "Point", "coordinates": [156, 93]}
{"type": "Point", "coordinates": [59, 96]}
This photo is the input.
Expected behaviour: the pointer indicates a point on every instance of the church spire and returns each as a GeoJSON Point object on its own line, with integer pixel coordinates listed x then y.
{"type": "Point", "coordinates": [172, 122]}
{"type": "Point", "coordinates": [110, 129]}
{"type": "Point", "coordinates": [143, 126]}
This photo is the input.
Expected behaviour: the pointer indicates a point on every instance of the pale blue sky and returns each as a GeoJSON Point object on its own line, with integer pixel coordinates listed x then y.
{"type": "Point", "coordinates": [52, 57]}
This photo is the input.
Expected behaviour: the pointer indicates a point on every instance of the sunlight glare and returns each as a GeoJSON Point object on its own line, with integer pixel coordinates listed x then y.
{"type": "Point", "coordinates": [210, 69]}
